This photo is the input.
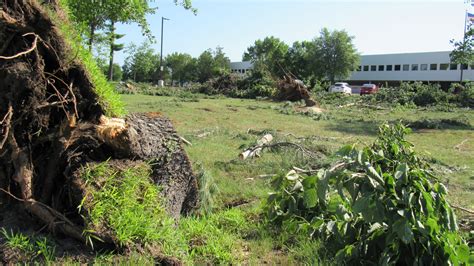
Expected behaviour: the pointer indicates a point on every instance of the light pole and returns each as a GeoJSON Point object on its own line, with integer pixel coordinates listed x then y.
{"type": "Point", "coordinates": [161, 83]}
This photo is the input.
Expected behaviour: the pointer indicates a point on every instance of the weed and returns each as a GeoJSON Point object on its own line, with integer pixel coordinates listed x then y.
{"type": "Point", "coordinates": [46, 249]}
{"type": "Point", "coordinates": [17, 241]}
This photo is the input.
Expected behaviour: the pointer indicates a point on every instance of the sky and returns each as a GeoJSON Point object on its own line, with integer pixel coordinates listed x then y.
{"type": "Point", "coordinates": [378, 26]}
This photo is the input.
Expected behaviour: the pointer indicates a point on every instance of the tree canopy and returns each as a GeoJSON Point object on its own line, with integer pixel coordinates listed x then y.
{"type": "Point", "coordinates": [268, 53]}
{"type": "Point", "coordinates": [333, 55]}
{"type": "Point", "coordinates": [141, 63]}
{"type": "Point", "coordinates": [463, 52]}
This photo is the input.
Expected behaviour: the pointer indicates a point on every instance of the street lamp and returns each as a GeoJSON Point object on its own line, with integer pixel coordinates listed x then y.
{"type": "Point", "coordinates": [161, 83]}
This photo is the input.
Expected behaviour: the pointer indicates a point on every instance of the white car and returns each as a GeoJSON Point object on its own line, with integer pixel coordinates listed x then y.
{"type": "Point", "coordinates": [340, 87]}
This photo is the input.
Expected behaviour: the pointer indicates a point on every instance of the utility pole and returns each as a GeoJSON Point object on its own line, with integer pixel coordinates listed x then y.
{"type": "Point", "coordinates": [464, 44]}
{"type": "Point", "coordinates": [161, 82]}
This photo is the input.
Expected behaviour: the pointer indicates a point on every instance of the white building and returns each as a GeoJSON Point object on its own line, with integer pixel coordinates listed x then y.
{"type": "Point", "coordinates": [241, 67]}
{"type": "Point", "coordinates": [427, 66]}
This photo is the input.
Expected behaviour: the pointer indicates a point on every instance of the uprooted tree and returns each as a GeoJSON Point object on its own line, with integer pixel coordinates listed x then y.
{"type": "Point", "coordinates": [54, 126]}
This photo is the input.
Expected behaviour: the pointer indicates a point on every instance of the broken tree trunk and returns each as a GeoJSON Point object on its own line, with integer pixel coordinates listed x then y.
{"type": "Point", "coordinates": [52, 125]}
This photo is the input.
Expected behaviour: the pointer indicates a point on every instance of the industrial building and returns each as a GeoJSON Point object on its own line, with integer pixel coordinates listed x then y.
{"type": "Point", "coordinates": [393, 68]}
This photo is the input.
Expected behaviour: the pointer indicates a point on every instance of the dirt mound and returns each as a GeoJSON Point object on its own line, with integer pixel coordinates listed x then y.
{"type": "Point", "coordinates": [53, 125]}
{"type": "Point", "coordinates": [290, 89]}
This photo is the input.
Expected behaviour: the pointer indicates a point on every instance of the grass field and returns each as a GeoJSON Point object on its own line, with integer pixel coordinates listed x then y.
{"type": "Point", "coordinates": [218, 129]}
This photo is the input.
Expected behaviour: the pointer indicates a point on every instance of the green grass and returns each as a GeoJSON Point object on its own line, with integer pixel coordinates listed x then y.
{"type": "Point", "coordinates": [218, 129]}
{"type": "Point", "coordinates": [29, 248]}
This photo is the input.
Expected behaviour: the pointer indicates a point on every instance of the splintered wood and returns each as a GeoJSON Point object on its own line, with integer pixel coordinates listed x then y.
{"type": "Point", "coordinates": [257, 149]}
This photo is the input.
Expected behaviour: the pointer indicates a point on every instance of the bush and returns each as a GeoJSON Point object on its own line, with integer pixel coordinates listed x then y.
{"type": "Point", "coordinates": [464, 95]}
{"type": "Point", "coordinates": [381, 205]}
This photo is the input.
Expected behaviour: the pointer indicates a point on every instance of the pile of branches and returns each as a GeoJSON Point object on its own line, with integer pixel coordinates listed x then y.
{"type": "Point", "coordinates": [225, 84]}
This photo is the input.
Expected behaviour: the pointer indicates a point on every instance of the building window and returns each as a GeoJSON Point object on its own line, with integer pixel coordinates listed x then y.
{"type": "Point", "coordinates": [424, 67]}
{"type": "Point", "coordinates": [381, 67]}
{"type": "Point", "coordinates": [443, 66]}
{"type": "Point", "coordinates": [453, 66]}
{"type": "Point", "coordinates": [433, 66]}
{"type": "Point", "coordinates": [463, 66]}
{"type": "Point", "coordinates": [359, 68]}
{"type": "Point", "coordinates": [389, 67]}
{"type": "Point", "coordinates": [366, 68]}
{"type": "Point", "coordinates": [373, 68]}
{"type": "Point", "coordinates": [397, 67]}
{"type": "Point", "coordinates": [414, 67]}
{"type": "Point", "coordinates": [406, 67]}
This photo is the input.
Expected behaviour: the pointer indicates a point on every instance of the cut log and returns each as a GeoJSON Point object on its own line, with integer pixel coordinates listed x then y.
{"type": "Point", "coordinates": [256, 150]}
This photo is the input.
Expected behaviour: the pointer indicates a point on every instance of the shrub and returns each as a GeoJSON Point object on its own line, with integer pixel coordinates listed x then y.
{"type": "Point", "coordinates": [464, 95]}
{"type": "Point", "coordinates": [380, 205]}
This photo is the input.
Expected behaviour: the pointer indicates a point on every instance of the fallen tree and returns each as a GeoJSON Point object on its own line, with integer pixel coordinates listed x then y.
{"type": "Point", "coordinates": [54, 126]}
{"type": "Point", "coordinates": [291, 89]}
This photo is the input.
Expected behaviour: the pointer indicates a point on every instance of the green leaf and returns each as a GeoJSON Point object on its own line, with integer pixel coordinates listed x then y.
{"type": "Point", "coordinates": [361, 205]}
{"type": "Point", "coordinates": [310, 198]}
{"type": "Point", "coordinates": [403, 230]}
{"type": "Point", "coordinates": [309, 182]}
{"type": "Point", "coordinates": [323, 187]}
{"type": "Point", "coordinates": [346, 150]}
{"type": "Point", "coordinates": [395, 148]}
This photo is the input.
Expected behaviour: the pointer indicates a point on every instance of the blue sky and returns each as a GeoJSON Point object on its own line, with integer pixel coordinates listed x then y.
{"type": "Point", "coordinates": [378, 26]}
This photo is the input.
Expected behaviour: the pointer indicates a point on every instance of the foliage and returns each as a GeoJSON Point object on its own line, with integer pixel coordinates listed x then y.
{"type": "Point", "coordinates": [412, 94]}
{"type": "Point", "coordinates": [233, 85]}
{"type": "Point", "coordinates": [93, 15]}
{"type": "Point", "coordinates": [211, 64]}
{"type": "Point", "coordinates": [117, 73]}
{"type": "Point", "coordinates": [108, 98]}
{"type": "Point", "coordinates": [268, 55]}
{"type": "Point", "coordinates": [380, 205]}
{"type": "Point", "coordinates": [446, 123]}
{"type": "Point", "coordinates": [142, 63]}
{"type": "Point", "coordinates": [464, 94]}
{"type": "Point", "coordinates": [183, 67]}
{"type": "Point", "coordinates": [297, 59]}
{"type": "Point", "coordinates": [463, 52]}
{"type": "Point", "coordinates": [333, 55]}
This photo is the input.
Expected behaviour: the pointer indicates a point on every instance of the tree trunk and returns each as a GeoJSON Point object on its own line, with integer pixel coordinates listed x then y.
{"type": "Point", "coordinates": [111, 55]}
{"type": "Point", "coordinates": [91, 37]}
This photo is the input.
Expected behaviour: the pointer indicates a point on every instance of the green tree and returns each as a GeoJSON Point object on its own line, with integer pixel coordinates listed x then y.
{"type": "Point", "coordinates": [211, 64]}
{"type": "Point", "coordinates": [142, 63]}
{"type": "Point", "coordinates": [269, 54]}
{"type": "Point", "coordinates": [183, 66]}
{"type": "Point", "coordinates": [90, 16]}
{"type": "Point", "coordinates": [118, 72]}
{"type": "Point", "coordinates": [297, 59]}
{"type": "Point", "coordinates": [463, 52]}
{"type": "Point", "coordinates": [333, 55]}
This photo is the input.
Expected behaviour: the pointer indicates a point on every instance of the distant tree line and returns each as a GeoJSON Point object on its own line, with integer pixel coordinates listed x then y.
{"type": "Point", "coordinates": [143, 65]}
{"type": "Point", "coordinates": [329, 56]}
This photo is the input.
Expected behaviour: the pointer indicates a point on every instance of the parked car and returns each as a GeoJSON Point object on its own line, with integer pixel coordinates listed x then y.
{"type": "Point", "coordinates": [368, 89]}
{"type": "Point", "coordinates": [340, 87]}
